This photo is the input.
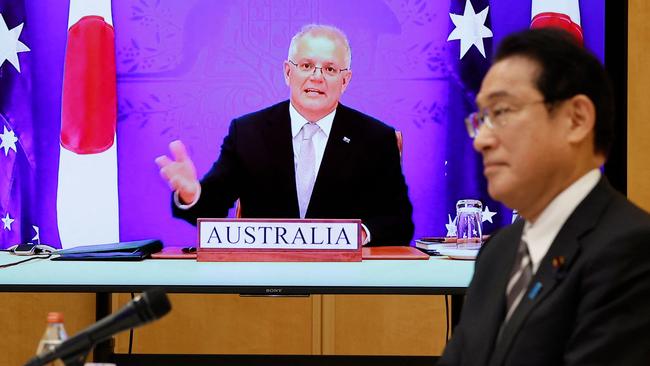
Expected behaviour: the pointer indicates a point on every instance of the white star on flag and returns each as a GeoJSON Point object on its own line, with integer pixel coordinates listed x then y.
{"type": "Point", "coordinates": [37, 237]}
{"type": "Point", "coordinates": [7, 221]}
{"type": "Point", "coordinates": [470, 29]}
{"type": "Point", "coordinates": [8, 141]}
{"type": "Point", "coordinates": [487, 215]}
{"type": "Point", "coordinates": [10, 46]}
{"type": "Point", "coordinates": [451, 226]}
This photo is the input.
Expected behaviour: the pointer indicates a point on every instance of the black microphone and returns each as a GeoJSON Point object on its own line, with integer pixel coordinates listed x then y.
{"type": "Point", "coordinates": [150, 306]}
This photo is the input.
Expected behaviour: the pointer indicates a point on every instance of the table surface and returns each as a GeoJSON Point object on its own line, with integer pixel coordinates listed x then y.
{"type": "Point", "coordinates": [437, 275]}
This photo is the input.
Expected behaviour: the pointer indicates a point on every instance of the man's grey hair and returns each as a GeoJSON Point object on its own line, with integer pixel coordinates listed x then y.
{"type": "Point", "coordinates": [322, 30]}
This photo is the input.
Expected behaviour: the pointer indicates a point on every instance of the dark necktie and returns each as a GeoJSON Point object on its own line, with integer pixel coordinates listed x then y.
{"type": "Point", "coordinates": [520, 276]}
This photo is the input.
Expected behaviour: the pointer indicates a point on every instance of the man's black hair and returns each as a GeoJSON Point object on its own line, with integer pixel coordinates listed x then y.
{"type": "Point", "coordinates": [566, 70]}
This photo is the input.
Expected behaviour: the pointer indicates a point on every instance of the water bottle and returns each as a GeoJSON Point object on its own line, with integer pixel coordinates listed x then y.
{"type": "Point", "coordinates": [54, 335]}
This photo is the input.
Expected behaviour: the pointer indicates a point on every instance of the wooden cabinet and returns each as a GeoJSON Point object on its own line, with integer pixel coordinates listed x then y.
{"type": "Point", "coordinates": [317, 324]}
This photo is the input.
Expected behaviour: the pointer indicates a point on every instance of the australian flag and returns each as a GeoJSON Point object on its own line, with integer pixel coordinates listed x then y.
{"type": "Point", "coordinates": [17, 150]}
{"type": "Point", "coordinates": [29, 117]}
{"type": "Point", "coordinates": [471, 43]}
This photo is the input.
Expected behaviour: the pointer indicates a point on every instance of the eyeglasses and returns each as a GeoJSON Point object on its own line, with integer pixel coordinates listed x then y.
{"type": "Point", "coordinates": [308, 68]}
{"type": "Point", "coordinates": [494, 119]}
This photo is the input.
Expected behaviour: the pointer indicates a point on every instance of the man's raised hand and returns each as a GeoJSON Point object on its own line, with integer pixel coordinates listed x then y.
{"type": "Point", "coordinates": [179, 173]}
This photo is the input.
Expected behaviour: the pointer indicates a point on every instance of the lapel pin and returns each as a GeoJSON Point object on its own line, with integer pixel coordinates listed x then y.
{"type": "Point", "coordinates": [534, 291]}
{"type": "Point", "coordinates": [558, 266]}
{"type": "Point", "coordinates": [346, 139]}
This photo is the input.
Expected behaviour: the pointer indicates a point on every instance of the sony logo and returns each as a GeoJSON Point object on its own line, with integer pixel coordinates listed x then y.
{"type": "Point", "coordinates": [273, 290]}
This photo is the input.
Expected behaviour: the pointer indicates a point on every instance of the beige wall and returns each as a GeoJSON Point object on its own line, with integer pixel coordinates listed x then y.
{"type": "Point", "coordinates": [318, 324]}
{"type": "Point", "coordinates": [23, 318]}
{"type": "Point", "coordinates": [638, 168]}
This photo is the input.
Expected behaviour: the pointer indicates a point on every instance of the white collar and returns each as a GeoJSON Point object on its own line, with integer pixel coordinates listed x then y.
{"type": "Point", "coordinates": [540, 235]}
{"type": "Point", "coordinates": [297, 121]}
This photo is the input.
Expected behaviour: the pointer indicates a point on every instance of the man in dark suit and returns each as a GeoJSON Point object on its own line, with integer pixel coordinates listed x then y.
{"type": "Point", "coordinates": [569, 284]}
{"type": "Point", "coordinates": [309, 157]}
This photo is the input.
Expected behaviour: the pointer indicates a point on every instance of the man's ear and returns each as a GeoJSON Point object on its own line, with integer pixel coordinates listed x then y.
{"type": "Point", "coordinates": [346, 80]}
{"type": "Point", "coordinates": [286, 72]}
{"type": "Point", "coordinates": [582, 117]}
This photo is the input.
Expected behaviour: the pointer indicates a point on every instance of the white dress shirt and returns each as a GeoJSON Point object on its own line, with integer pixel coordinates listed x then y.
{"type": "Point", "coordinates": [540, 235]}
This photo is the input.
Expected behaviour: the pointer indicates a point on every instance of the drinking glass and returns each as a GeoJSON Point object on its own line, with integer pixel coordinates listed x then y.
{"type": "Point", "coordinates": [468, 224]}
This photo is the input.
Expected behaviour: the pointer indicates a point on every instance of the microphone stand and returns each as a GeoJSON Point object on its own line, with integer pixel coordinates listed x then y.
{"type": "Point", "coordinates": [143, 309]}
{"type": "Point", "coordinates": [77, 359]}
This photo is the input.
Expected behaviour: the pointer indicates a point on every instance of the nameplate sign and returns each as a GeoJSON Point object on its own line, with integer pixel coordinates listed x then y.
{"type": "Point", "coordinates": [279, 240]}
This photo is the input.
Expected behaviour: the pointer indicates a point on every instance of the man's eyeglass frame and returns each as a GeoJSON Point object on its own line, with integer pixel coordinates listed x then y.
{"type": "Point", "coordinates": [313, 68]}
{"type": "Point", "coordinates": [475, 120]}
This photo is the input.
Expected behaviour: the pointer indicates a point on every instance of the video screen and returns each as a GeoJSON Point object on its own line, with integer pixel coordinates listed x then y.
{"type": "Point", "coordinates": [185, 69]}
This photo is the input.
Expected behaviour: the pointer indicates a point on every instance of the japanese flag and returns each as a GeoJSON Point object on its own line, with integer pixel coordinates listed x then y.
{"type": "Point", "coordinates": [87, 195]}
{"type": "Point", "coordinates": [563, 14]}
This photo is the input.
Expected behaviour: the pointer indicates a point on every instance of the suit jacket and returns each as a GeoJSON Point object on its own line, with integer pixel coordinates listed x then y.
{"type": "Point", "coordinates": [360, 177]}
{"type": "Point", "coordinates": [592, 309]}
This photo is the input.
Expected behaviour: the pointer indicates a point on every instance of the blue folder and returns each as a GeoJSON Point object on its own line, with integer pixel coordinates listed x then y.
{"type": "Point", "coordinates": [124, 251]}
